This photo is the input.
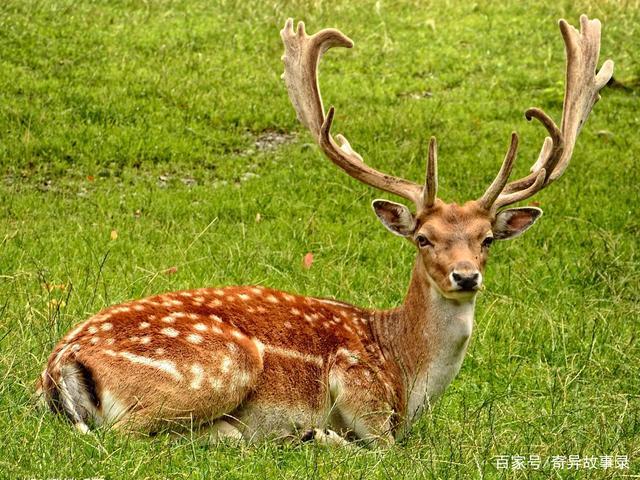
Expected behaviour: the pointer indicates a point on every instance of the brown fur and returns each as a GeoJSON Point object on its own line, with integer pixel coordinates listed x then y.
{"type": "Point", "coordinates": [268, 362]}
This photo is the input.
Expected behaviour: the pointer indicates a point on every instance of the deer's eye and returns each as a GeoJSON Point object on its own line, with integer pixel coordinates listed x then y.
{"type": "Point", "coordinates": [486, 243]}
{"type": "Point", "coordinates": [423, 241]}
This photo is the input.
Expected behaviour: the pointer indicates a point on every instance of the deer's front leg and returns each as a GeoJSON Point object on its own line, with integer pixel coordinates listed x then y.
{"type": "Point", "coordinates": [362, 404]}
{"type": "Point", "coordinates": [325, 437]}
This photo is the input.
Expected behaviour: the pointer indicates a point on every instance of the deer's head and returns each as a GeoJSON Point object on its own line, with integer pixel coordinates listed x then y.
{"type": "Point", "coordinates": [453, 240]}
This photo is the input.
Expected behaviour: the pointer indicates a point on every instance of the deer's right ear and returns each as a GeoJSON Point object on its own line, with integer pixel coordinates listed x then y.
{"type": "Point", "coordinates": [396, 217]}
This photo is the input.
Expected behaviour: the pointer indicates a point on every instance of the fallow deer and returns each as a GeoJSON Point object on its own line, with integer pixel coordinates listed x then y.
{"type": "Point", "coordinates": [252, 362]}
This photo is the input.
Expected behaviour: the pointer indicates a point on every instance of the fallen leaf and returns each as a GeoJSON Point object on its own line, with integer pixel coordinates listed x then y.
{"type": "Point", "coordinates": [258, 217]}
{"type": "Point", "coordinates": [114, 234]}
{"type": "Point", "coordinates": [170, 270]}
{"type": "Point", "coordinates": [90, 178]}
{"type": "Point", "coordinates": [307, 261]}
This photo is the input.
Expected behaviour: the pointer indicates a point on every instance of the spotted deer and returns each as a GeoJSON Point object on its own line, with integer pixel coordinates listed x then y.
{"type": "Point", "coordinates": [253, 363]}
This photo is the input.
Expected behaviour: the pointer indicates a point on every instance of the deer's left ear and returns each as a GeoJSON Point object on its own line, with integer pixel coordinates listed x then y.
{"type": "Point", "coordinates": [396, 217]}
{"type": "Point", "coordinates": [514, 221]}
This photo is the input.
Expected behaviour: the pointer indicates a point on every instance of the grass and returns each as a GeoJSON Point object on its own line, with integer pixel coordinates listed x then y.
{"type": "Point", "coordinates": [153, 122]}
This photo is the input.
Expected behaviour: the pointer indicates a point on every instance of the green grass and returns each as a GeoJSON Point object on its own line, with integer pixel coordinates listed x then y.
{"type": "Point", "coordinates": [143, 117]}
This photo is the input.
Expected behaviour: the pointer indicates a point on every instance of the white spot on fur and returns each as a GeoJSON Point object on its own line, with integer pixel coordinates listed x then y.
{"type": "Point", "coordinates": [232, 347]}
{"type": "Point", "coordinates": [198, 299]}
{"type": "Point", "coordinates": [145, 340]}
{"type": "Point", "coordinates": [288, 298]}
{"type": "Point", "coordinates": [106, 326]}
{"type": "Point", "coordinates": [294, 354]}
{"type": "Point", "coordinates": [75, 347]}
{"type": "Point", "coordinates": [295, 311]}
{"type": "Point", "coordinates": [225, 364]}
{"type": "Point", "coordinates": [138, 308]}
{"type": "Point", "coordinates": [160, 351]}
{"type": "Point", "coordinates": [110, 341]}
{"type": "Point", "coordinates": [94, 340]}
{"type": "Point", "coordinates": [214, 303]}
{"type": "Point", "coordinates": [331, 302]}
{"type": "Point", "coordinates": [110, 352]}
{"type": "Point", "coordinates": [168, 319]}
{"type": "Point", "coordinates": [92, 329]}
{"type": "Point", "coordinates": [272, 299]}
{"type": "Point", "coordinates": [134, 339]}
{"type": "Point", "coordinates": [201, 327]}
{"type": "Point", "coordinates": [250, 309]}
{"type": "Point", "coordinates": [170, 332]}
{"type": "Point", "coordinates": [218, 292]}
{"type": "Point", "coordinates": [198, 376]}
{"type": "Point", "coordinates": [244, 297]}
{"type": "Point", "coordinates": [237, 334]}
{"type": "Point", "coordinates": [287, 324]}
{"type": "Point", "coordinates": [215, 383]}
{"type": "Point", "coordinates": [261, 309]}
{"type": "Point", "coordinates": [216, 330]}
{"type": "Point", "coordinates": [215, 318]}
{"type": "Point", "coordinates": [256, 290]}
{"type": "Point", "coordinates": [193, 316]}
{"type": "Point", "coordinates": [165, 366]}
{"type": "Point", "coordinates": [308, 317]}
{"type": "Point", "coordinates": [143, 325]}
{"type": "Point", "coordinates": [185, 294]}
{"type": "Point", "coordinates": [194, 338]}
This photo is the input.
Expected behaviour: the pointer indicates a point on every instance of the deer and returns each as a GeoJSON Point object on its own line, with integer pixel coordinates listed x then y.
{"type": "Point", "coordinates": [250, 363]}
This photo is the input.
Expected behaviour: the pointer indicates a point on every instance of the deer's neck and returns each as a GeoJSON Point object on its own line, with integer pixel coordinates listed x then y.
{"type": "Point", "coordinates": [427, 337]}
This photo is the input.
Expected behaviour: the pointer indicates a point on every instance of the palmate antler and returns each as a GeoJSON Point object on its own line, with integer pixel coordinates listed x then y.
{"type": "Point", "coordinates": [582, 84]}
{"type": "Point", "coordinates": [301, 59]}
{"type": "Point", "coordinates": [582, 87]}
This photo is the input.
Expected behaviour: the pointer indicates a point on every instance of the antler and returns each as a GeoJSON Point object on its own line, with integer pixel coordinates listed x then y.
{"type": "Point", "coordinates": [582, 87]}
{"type": "Point", "coordinates": [301, 59]}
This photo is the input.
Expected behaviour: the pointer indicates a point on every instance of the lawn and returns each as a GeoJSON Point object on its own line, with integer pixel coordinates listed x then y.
{"type": "Point", "coordinates": [151, 146]}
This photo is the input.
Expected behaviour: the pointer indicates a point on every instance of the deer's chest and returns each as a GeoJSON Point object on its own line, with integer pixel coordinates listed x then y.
{"type": "Point", "coordinates": [454, 327]}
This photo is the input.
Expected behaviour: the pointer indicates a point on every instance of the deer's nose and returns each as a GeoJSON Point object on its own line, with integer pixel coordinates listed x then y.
{"type": "Point", "coordinates": [466, 279]}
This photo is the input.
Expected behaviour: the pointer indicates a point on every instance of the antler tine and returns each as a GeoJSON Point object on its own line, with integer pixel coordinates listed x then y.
{"type": "Point", "coordinates": [490, 195]}
{"type": "Point", "coordinates": [430, 190]}
{"type": "Point", "coordinates": [550, 152]}
{"type": "Point", "coordinates": [582, 87]}
{"type": "Point", "coordinates": [301, 59]}
{"type": "Point", "coordinates": [510, 198]}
